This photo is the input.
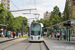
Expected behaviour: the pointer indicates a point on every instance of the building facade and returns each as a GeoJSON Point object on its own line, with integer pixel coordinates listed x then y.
{"type": "Point", "coordinates": [6, 4]}
{"type": "Point", "coordinates": [62, 14]}
{"type": "Point", "coordinates": [47, 15]}
{"type": "Point", "coordinates": [72, 6]}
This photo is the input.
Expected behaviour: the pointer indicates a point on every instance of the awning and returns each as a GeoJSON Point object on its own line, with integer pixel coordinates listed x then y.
{"type": "Point", "coordinates": [2, 25]}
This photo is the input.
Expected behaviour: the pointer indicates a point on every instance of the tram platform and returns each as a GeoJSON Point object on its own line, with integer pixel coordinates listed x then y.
{"type": "Point", "coordinates": [6, 39]}
{"type": "Point", "coordinates": [54, 44]}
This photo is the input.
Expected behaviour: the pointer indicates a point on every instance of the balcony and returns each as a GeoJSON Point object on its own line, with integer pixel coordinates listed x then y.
{"type": "Point", "coordinates": [8, 4]}
{"type": "Point", "coordinates": [8, 7]}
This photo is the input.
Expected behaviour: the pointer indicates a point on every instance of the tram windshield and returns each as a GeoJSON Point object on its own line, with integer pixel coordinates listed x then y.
{"type": "Point", "coordinates": [35, 29]}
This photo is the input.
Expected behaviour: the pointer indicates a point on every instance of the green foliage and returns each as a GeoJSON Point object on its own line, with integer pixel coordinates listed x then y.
{"type": "Point", "coordinates": [45, 22]}
{"type": "Point", "coordinates": [34, 21]}
{"type": "Point", "coordinates": [56, 11]}
{"type": "Point", "coordinates": [12, 23]}
{"type": "Point", "coordinates": [55, 16]}
{"type": "Point", "coordinates": [24, 37]}
{"type": "Point", "coordinates": [67, 12]}
{"type": "Point", "coordinates": [18, 23]}
{"type": "Point", "coordinates": [2, 14]}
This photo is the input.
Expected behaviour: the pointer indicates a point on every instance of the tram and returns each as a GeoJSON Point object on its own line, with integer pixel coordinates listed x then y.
{"type": "Point", "coordinates": [35, 32]}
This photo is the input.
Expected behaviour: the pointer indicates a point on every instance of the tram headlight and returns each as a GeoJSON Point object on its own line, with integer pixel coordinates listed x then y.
{"type": "Point", "coordinates": [38, 37]}
{"type": "Point", "coordinates": [31, 37]}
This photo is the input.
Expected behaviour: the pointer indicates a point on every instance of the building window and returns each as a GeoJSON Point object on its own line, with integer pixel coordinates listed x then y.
{"type": "Point", "coordinates": [69, 4]}
{"type": "Point", "coordinates": [73, 3]}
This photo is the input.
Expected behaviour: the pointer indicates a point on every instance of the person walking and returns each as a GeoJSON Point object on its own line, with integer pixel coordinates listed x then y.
{"type": "Point", "coordinates": [14, 34]}
{"type": "Point", "coordinates": [6, 33]}
{"type": "Point", "coordinates": [19, 34]}
{"type": "Point", "coordinates": [48, 34]}
{"type": "Point", "coordinates": [0, 33]}
{"type": "Point", "coordinates": [9, 34]}
{"type": "Point", "coordinates": [58, 35]}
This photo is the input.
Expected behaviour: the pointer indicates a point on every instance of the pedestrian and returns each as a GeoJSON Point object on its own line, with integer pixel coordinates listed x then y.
{"type": "Point", "coordinates": [19, 34]}
{"type": "Point", "coordinates": [6, 33]}
{"type": "Point", "coordinates": [48, 34]}
{"type": "Point", "coordinates": [53, 35]}
{"type": "Point", "coordinates": [14, 34]}
{"type": "Point", "coordinates": [58, 35]}
{"type": "Point", "coordinates": [0, 33]}
{"type": "Point", "coordinates": [9, 34]}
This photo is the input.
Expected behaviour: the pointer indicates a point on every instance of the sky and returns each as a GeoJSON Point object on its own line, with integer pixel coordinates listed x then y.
{"type": "Point", "coordinates": [41, 5]}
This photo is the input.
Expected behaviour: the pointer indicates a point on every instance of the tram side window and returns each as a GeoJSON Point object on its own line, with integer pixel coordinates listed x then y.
{"type": "Point", "coordinates": [42, 31]}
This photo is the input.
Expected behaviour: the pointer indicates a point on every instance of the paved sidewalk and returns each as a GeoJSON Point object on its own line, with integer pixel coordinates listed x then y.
{"type": "Point", "coordinates": [6, 39]}
{"type": "Point", "coordinates": [59, 44]}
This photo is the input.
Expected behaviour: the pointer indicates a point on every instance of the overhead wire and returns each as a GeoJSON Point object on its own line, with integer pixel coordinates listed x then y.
{"type": "Point", "coordinates": [15, 6]}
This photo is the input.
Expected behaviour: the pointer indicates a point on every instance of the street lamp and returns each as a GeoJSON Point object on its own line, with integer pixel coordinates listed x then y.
{"type": "Point", "coordinates": [22, 25]}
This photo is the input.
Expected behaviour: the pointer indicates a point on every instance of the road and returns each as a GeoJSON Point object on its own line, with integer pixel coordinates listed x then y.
{"type": "Point", "coordinates": [21, 44]}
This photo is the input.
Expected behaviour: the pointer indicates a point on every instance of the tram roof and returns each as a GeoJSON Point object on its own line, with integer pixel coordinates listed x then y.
{"type": "Point", "coordinates": [36, 23]}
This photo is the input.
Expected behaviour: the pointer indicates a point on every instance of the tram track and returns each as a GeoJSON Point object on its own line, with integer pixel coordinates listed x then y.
{"type": "Point", "coordinates": [36, 46]}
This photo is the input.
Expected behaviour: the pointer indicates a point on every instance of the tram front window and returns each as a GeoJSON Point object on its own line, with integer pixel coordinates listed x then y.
{"type": "Point", "coordinates": [35, 29]}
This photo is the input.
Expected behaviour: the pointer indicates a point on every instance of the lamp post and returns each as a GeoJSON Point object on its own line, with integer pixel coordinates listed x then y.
{"type": "Point", "coordinates": [22, 25]}
{"type": "Point", "coordinates": [6, 20]}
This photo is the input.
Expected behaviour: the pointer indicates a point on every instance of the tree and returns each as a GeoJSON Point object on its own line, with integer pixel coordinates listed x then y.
{"type": "Point", "coordinates": [55, 16]}
{"type": "Point", "coordinates": [34, 21]}
{"type": "Point", "coordinates": [2, 14]}
{"type": "Point", "coordinates": [56, 11]}
{"type": "Point", "coordinates": [67, 12]}
{"type": "Point", "coordinates": [55, 20]}
{"type": "Point", "coordinates": [18, 23]}
{"type": "Point", "coordinates": [41, 21]}
{"type": "Point", "coordinates": [10, 22]}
